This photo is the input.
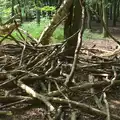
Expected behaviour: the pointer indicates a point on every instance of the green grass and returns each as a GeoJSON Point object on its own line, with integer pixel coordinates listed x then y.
{"type": "Point", "coordinates": [35, 30]}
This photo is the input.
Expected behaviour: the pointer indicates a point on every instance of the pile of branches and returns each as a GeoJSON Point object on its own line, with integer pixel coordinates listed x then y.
{"type": "Point", "coordinates": [32, 75]}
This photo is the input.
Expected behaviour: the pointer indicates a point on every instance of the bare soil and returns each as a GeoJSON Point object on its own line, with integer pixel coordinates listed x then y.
{"type": "Point", "coordinates": [104, 43]}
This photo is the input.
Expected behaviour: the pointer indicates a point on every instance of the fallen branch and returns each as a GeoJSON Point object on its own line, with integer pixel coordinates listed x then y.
{"type": "Point", "coordinates": [83, 107]}
{"type": "Point", "coordinates": [35, 95]}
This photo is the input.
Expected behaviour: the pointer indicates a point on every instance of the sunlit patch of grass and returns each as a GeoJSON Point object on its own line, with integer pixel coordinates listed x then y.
{"type": "Point", "coordinates": [36, 29]}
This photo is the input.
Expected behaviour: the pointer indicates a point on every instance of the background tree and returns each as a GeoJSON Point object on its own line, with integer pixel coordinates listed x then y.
{"type": "Point", "coordinates": [13, 4]}
{"type": "Point", "coordinates": [114, 12]}
{"type": "Point", "coordinates": [105, 16]}
{"type": "Point", "coordinates": [37, 3]}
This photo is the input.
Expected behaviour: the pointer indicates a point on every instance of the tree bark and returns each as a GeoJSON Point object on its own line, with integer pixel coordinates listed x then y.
{"type": "Point", "coordinates": [114, 12]}
{"type": "Point", "coordinates": [37, 12]}
{"type": "Point", "coordinates": [118, 9]}
{"type": "Point", "coordinates": [88, 19]}
{"type": "Point", "coordinates": [110, 10]}
{"type": "Point", "coordinates": [12, 11]}
{"type": "Point", "coordinates": [72, 28]}
{"type": "Point", "coordinates": [105, 18]}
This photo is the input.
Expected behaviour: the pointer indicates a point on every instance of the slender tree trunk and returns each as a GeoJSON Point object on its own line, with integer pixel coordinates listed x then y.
{"type": "Point", "coordinates": [118, 8]}
{"type": "Point", "coordinates": [110, 11]}
{"type": "Point", "coordinates": [19, 10]}
{"type": "Point", "coordinates": [114, 12]}
{"type": "Point", "coordinates": [88, 19]}
{"type": "Point", "coordinates": [37, 12]}
{"type": "Point", "coordinates": [12, 11]}
{"type": "Point", "coordinates": [105, 17]}
{"type": "Point", "coordinates": [38, 16]}
{"type": "Point", "coordinates": [99, 10]}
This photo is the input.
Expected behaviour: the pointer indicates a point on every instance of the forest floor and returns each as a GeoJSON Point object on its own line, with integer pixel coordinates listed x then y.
{"type": "Point", "coordinates": [104, 43]}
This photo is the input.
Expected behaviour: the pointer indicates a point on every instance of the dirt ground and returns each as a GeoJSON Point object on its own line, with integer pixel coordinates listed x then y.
{"type": "Point", "coordinates": [104, 43]}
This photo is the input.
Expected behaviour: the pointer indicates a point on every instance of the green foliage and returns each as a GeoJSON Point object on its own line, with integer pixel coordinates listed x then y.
{"type": "Point", "coordinates": [48, 8]}
{"type": "Point", "coordinates": [5, 10]}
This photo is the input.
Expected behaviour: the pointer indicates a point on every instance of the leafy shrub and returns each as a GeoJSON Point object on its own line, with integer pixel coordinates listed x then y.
{"type": "Point", "coordinates": [48, 8]}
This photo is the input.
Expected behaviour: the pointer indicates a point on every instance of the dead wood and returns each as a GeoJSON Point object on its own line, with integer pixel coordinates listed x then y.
{"type": "Point", "coordinates": [84, 107]}
{"type": "Point", "coordinates": [36, 75]}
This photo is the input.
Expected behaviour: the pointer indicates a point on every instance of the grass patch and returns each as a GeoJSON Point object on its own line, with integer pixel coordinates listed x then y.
{"type": "Point", "coordinates": [35, 30]}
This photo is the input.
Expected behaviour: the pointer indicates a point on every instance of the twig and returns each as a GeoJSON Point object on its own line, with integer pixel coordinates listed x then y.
{"type": "Point", "coordinates": [21, 59]}
{"type": "Point", "coordinates": [11, 104]}
{"type": "Point", "coordinates": [107, 106]}
{"type": "Point", "coordinates": [28, 34]}
{"type": "Point", "coordinates": [112, 80]}
{"type": "Point", "coordinates": [97, 100]}
{"type": "Point", "coordinates": [11, 19]}
{"type": "Point", "coordinates": [85, 86]}
{"type": "Point", "coordinates": [59, 112]}
{"type": "Point", "coordinates": [9, 99]}
{"type": "Point", "coordinates": [60, 90]}
{"type": "Point", "coordinates": [14, 39]}
{"type": "Point", "coordinates": [6, 36]}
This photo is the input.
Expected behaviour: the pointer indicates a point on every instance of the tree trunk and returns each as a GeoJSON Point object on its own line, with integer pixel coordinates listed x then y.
{"type": "Point", "coordinates": [114, 12]}
{"type": "Point", "coordinates": [118, 9]}
{"type": "Point", "coordinates": [12, 11]}
{"type": "Point", "coordinates": [72, 28]}
{"type": "Point", "coordinates": [110, 11]}
{"type": "Point", "coordinates": [88, 19]}
{"type": "Point", "coordinates": [57, 19]}
{"type": "Point", "coordinates": [37, 12]}
{"type": "Point", "coordinates": [105, 17]}
{"type": "Point", "coordinates": [99, 10]}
